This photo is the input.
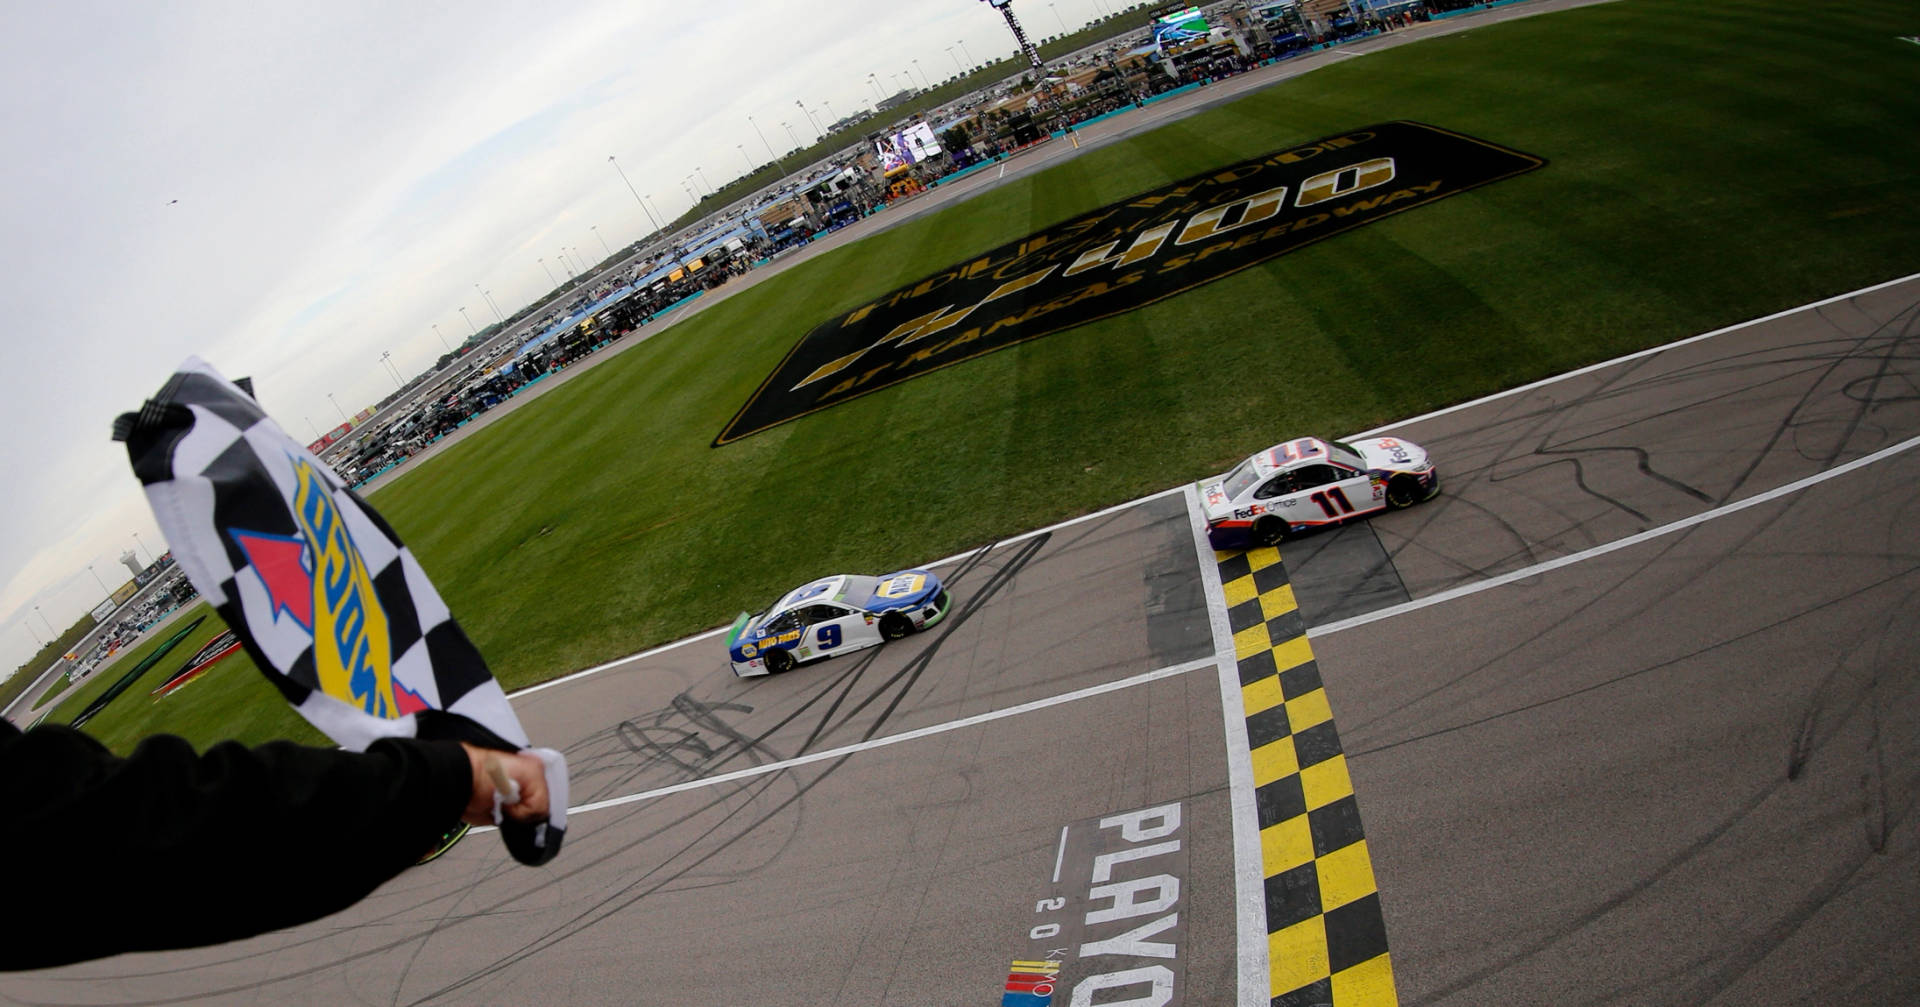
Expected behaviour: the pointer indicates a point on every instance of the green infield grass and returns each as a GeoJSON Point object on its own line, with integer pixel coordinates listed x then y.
{"type": "Point", "coordinates": [1707, 164]}
{"type": "Point", "coordinates": [228, 700]}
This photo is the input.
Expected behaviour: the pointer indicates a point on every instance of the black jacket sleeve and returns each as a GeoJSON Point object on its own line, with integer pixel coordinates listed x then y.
{"type": "Point", "coordinates": [170, 849]}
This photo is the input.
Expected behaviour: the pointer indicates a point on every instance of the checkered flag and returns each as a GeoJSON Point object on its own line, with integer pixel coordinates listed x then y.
{"type": "Point", "coordinates": [327, 600]}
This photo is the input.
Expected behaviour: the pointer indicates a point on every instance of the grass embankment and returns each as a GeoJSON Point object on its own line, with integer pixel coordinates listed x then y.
{"type": "Point", "coordinates": [229, 700]}
{"type": "Point", "coordinates": [1708, 165]}
{"type": "Point", "coordinates": [23, 677]}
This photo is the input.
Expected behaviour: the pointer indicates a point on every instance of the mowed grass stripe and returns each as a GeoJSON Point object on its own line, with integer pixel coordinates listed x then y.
{"type": "Point", "coordinates": [1706, 166]}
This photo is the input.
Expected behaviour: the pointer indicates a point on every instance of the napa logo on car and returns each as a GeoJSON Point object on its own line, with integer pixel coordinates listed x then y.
{"type": "Point", "coordinates": [320, 581]}
{"type": "Point", "coordinates": [901, 586]}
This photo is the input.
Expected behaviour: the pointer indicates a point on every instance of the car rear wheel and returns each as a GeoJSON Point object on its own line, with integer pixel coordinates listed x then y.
{"type": "Point", "coordinates": [1269, 530]}
{"type": "Point", "coordinates": [894, 626]}
{"type": "Point", "coordinates": [1402, 491]}
{"type": "Point", "coordinates": [779, 660]}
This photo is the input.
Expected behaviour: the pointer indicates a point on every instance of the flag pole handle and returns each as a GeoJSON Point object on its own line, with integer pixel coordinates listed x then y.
{"type": "Point", "coordinates": [504, 786]}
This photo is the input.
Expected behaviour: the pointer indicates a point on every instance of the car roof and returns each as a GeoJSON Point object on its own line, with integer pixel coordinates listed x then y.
{"type": "Point", "coordinates": [823, 589]}
{"type": "Point", "coordinates": [1288, 454]}
{"type": "Point", "coordinates": [849, 590]}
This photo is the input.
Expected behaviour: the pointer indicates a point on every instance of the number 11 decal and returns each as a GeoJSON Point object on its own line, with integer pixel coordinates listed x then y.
{"type": "Point", "coordinates": [1333, 501]}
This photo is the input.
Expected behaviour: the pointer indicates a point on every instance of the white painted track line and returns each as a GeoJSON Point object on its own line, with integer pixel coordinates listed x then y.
{"type": "Point", "coordinates": [894, 739]}
{"type": "Point", "coordinates": [1600, 550]}
{"type": "Point", "coordinates": [1249, 869]}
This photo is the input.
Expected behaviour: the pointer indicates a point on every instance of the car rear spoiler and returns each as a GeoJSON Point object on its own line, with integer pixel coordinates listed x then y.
{"type": "Point", "coordinates": [739, 623]}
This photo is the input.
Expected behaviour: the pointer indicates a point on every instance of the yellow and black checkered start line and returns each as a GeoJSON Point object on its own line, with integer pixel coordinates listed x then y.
{"type": "Point", "coordinates": [1326, 939]}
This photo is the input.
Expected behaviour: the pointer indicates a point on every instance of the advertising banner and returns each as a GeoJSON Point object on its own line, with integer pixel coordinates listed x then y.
{"type": "Point", "coordinates": [1182, 26]}
{"type": "Point", "coordinates": [911, 145]}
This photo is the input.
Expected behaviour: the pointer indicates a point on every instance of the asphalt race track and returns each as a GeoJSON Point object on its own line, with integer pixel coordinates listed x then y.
{"type": "Point", "coordinates": [1680, 772]}
{"type": "Point", "coordinates": [1600, 759]}
{"type": "Point", "coordinates": [1630, 714]}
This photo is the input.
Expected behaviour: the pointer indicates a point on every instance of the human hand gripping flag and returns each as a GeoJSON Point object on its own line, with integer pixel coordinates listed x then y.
{"type": "Point", "coordinates": [322, 593]}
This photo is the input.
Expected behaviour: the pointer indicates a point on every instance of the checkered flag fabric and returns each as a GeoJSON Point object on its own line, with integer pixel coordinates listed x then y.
{"type": "Point", "coordinates": [326, 599]}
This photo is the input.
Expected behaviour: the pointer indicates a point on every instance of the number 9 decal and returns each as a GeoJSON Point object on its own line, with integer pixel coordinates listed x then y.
{"type": "Point", "coordinates": [829, 637]}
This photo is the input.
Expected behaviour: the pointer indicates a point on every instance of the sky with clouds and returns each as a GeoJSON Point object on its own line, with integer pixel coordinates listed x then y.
{"type": "Point", "coordinates": [291, 190]}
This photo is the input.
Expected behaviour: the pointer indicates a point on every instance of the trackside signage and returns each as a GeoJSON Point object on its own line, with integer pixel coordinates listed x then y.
{"type": "Point", "coordinates": [1124, 256]}
{"type": "Point", "coordinates": [1109, 930]}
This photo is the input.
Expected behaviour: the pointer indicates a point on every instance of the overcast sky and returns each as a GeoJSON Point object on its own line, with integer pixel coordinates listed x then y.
{"type": "Point", "coordinates": [345, 174]}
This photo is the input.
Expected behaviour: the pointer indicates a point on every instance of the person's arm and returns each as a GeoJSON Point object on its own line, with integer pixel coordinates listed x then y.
{"type": "Point", "coordinates": [169, 848]}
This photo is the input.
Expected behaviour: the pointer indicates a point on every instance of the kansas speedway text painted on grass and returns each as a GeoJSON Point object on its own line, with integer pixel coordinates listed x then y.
{"type": "Point", "coordinates": [1124, 256]}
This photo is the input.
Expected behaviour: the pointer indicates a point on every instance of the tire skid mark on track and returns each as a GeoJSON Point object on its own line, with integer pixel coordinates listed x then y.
{"type": "Point", "coordinates": [843, 687]}
{"type": "Point", "coordinates": [1001, 578]}
{"type": "Point", "coordinates": [626, 896]}
{"type": "Point", "coordinates": [1534, 428]}
{"type": "Point", "coordinates": [1802, 746]}
{"type": "Point", "coordinates": [1627, 583]}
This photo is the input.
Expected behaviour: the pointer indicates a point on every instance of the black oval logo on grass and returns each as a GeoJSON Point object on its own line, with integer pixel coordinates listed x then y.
{"type": "Point", "coordinates": [1124, 256]}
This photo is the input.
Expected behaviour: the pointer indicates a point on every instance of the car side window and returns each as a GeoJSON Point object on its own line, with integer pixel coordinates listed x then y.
{"type": "Point", "coordinates": [1317, 475]}
{"type": "Point", "coordinates": [790, 620]}
{"type": "Point", "coordinates": [822, 613]}
{"type": "Point", "coordinates": [1282, 483]}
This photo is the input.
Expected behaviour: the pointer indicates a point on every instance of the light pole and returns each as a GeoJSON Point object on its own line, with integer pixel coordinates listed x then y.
{"type": "Point", "coordinates": [489, 300]}
{"type": "Point", "coordinates": [877, 96]}
{"type": "Point", "coordinates": [564, 264]}
{"type": "Point", "coordinates": [702, 172]}
{"type": "Point", "coordinates": [43, 618]}
{"type": "Point", "coordinates": [962, 43]}
{"type": "Point", "coordinates": [831, 118]}
{"type": "Point", "coordinates": [958, 70]}
{"type": "Point", "coordinates": [636, 192]}
{"type": "Point", "coordinates": [816, 123]}
{"type": "Point", "coordinates": [790, 136]}
{"type": "Point", "coordinates": [336, 407]}
{"type": "Point", "coordinates": [1057, 17]}
{"type": "Point", "coordinates": [143, 545]}
{"type": "Point", "coordinates": [923, 74]}
{"type": "Point", "coordinates": [39, 644]}
{"type": "Point", "coordinates": [656, 207]}
{"type": "Point", "coordinates": [470, 325]}
{"type": "Point", "coordinates": [764, 143]}
{"type": "Point", "coordinates": [603, 242]}
{"type": "Point", "coordinates": [96, 579]}
{"type": "Point", "coordinates": [392, 371]}
{"type": "Point", "coordinates": [549, 269]}
{"type": "Point", "coordinates": [310, 426]}
{"type": "Point", "coordinates": [742, 148]}
{"type": "Point", "coordinates": [443, 338]}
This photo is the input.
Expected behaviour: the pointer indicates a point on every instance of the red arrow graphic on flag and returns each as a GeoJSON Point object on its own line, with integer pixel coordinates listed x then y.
{"type": "Point", "coordinates": [277, 561]}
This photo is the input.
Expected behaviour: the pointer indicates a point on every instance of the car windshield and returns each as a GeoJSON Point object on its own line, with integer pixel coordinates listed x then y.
{"type": "Point", "coordinates": [1241, 479]}
{"type": "Point", "coordinates": [1346, 455]}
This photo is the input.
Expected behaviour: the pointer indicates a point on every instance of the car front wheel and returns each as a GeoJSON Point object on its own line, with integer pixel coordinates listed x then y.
{"type": "Point", "coordinates": [1402, 491]}
{"type": "Point", "coordinates": [894, 626]}
{"type": "Point", "coordinates": [779, 661]}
